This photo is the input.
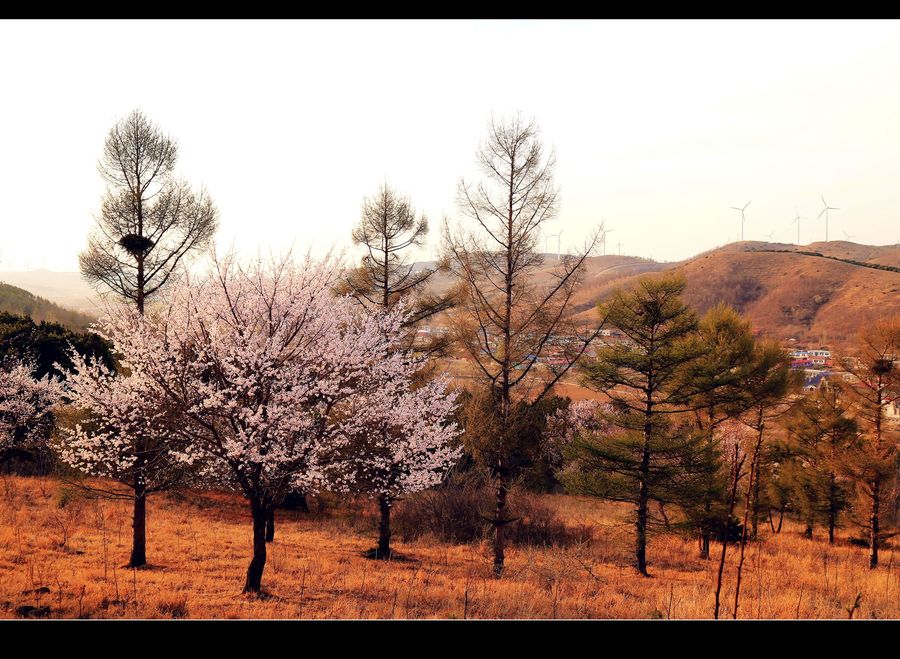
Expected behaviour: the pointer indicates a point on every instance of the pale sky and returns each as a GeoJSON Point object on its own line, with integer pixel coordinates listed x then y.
{"type": "Point", "coordinates": [659, 126]}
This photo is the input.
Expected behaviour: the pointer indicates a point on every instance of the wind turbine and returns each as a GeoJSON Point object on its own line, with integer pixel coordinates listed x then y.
{"type": "Point", "coordinates": [848, 236]}
{"type": "Point", "coordinates": [797, 221]}
{"type": "Point", "coordinates": [743, 219]}
{"type": "Point", "coordinates": [770, 235]}
{"type": "Point", "coordinates": [606, 231]}
{"type": "Point", "coordinates": [620, 248]}
{"type": "Point", "coordinates": [825, 211]}
{"type": "Point", "coordinates": [558, 237]}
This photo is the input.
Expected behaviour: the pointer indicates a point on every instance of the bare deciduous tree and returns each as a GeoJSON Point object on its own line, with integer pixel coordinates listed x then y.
{"type": "Point", "coordinates": [507, 321]}
{"type": "Point", "coordinates": [148, 224]}
{"type": "Point", "coordinates": [149, 220]}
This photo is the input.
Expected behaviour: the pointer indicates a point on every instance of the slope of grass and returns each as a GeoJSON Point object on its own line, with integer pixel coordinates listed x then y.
{"type": "Point", "coordinates": [863, 264]}
{"type": "Point", "coordinates": [66, 553]}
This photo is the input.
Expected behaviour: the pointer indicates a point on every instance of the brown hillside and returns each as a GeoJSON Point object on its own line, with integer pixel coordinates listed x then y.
{"type": "Point", "coordinates": [791, 294]}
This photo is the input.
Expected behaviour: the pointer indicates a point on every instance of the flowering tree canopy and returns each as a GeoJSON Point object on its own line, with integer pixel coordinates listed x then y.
{"type": "Point", "coordinates": [565, 423]}
{"type": "Point", "coordinates": [259, 371]}
{"type": "Point", "coordinates": [404, 437]}
{"type": "Point", "coordinates": [26, 417]}
{"type": "Point", "coordinates": [123, 429]}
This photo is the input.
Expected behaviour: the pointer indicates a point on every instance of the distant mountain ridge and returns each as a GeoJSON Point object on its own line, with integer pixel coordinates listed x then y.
{"type": "Point", "coordinates": [786, 290]}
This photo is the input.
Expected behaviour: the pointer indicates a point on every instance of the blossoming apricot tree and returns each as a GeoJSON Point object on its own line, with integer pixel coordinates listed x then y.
{"type": "Point", "coordinates": [260, 371]}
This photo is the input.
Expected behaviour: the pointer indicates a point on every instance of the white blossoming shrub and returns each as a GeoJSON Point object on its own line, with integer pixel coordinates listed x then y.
{"type": "Point", "coordinates": [26, 408]}
{"type": "Point", "coordinates": [565, 423]}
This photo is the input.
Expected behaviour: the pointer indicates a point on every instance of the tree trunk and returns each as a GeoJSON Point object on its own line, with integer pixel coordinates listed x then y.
{"type": "Point", "coordinates": [139, 524]}
{"type": "Point", "coordinates": [710, 460]}
{"type": "Point", "coordinates": [754, 519]}
{"type": "Point", "coordinates": [874, 522]}
{"type": "Point", "coordinates": [754, 474]}
{"type": "Point", "coordinates": [735, 477]}
{"type": "Point", "coordinates": [384, 528]}
{"type": "Point", "coordinates": [808, 531]}
{"type": "Point", "coordinates": [270, 525]}
{"type": "Point", "coordinates": [295, 501]}
{"type": "Point", "coordinates": [641, 525]}
{"type": "Point", "coordinates": [704, 545]}
{"type": "Point", "coordinates": [644, 489]}
{"type": "Point", "coordinates": [499, 524]}
{"type": "Point", "coordinates": [255, 569]}
{"type": "Point", "coordinates": [832, 508]}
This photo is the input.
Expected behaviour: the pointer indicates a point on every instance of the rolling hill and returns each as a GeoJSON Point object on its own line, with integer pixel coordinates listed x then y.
{"type": "Point", "coordinates": [21, 302]}
{"type": "Point", "coordinates": [789, 291]}
{"type": "Point", "coordinates": [818, 292]}
{"type": "Point", "coordinates": [67, 289]}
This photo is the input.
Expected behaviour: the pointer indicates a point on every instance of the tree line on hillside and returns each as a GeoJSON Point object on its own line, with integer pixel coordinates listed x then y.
{"type": "Point", "coordinates": [17, 301]}
{"type": "Point", "coordinates": [276, 377]}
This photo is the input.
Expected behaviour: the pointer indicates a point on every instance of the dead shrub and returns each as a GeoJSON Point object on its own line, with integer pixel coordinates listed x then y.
{"type": "Point", "coordinates": [459, 512]}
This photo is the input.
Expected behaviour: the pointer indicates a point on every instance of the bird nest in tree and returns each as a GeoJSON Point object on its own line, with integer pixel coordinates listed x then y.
{"type": "Point", "coordinates": [883, 366]}
{"type": "Point", "coordinates": [136, 245]}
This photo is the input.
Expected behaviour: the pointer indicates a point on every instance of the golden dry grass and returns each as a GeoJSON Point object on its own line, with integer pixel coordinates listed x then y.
{"type": "Point", "coordinates": [199, 547]}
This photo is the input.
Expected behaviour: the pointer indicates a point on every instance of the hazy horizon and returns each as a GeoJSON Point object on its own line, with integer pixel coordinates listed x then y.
{"type": "Point", "coordinates": [659, 126]}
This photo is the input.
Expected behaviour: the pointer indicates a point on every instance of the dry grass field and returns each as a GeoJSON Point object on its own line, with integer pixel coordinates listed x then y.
{"type": "Point", "coordinates": [66, 553]}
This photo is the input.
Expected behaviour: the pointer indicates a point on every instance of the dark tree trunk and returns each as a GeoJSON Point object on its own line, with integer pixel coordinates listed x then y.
{"type": "Point", "coordinates": [754, 519]}
{"type": "Point", "coordinates": [832, 508]}
{"type": "Point", "coordinates": [499, 524]}
{"type": "Point", "coordinates": [641, 525]}
{"type": "Point", "coordinates": [704, 545]}
{"type": "Point", "coordinates": [732, 498]}
{"type": "Point", "coordinates": [270, 525]}
{"type": "Point", "coordinates": [754, 476]}
{"type": "Point", "coordinates": [139, 524]}
{"type": "Point", "coordinates": [384, 528]}
{"type": "Point", "coordinates": [255, 569]}
{"type": "Point", "coordinates": [874, 522]}
{"type": "Point", "coordinates": [295, 501]}
{"type": "Point", "coordinates": [707, 504]}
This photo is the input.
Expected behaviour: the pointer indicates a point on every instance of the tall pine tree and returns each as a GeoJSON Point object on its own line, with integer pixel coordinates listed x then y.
{"type": "Point", "coordinates": [651, 454]}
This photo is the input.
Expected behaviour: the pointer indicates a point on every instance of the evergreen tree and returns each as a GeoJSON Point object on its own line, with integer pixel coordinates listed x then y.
{"type": "Point", "coordinates": [651, 454]}
{"type": "Point", "coordinates": [874, 377]}
{"type": "Point", "coordinates": [46, 345]}
{"type": "Point", "coordinates": [820, 433]}
{"type": "Point", "coordinates": [715, 383]}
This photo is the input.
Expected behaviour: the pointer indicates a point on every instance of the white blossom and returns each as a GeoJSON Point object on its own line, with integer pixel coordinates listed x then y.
{"type": "Point", "coordinates": [26, 407]}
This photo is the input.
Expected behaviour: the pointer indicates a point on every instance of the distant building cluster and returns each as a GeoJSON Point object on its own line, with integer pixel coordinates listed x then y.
{"type": "Point", "coordinates": [817, 365]}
